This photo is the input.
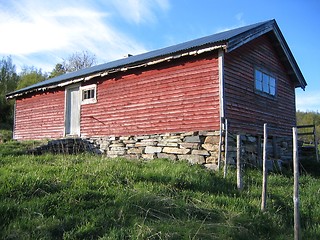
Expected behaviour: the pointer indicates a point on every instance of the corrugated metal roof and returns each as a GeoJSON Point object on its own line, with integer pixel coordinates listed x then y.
{"type": "Point", "coordinates": [232, 38]}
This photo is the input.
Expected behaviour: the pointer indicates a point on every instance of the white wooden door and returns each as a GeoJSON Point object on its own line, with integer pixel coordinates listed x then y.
{"type": "Point", "coordinates": [72, 111]}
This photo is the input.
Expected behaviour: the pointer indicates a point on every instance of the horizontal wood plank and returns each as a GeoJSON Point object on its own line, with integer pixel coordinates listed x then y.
{"type": "Point", "coordinates": [247, 110]}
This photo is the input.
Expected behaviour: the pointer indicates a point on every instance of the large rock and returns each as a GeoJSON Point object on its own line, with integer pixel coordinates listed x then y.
{"type": "Point", "coordinates": [152, 149]}
{"type": "Point", "coordinates": [189, 145]}
{"type": "Point", "coordinates": [192, 139]}
{"type": "Point", "coordinates": [167, 144]}
{"type": "Point", "coordinates": [209, 133]}
{"type": "Point", "coordinates": [134, 151]}
{"type": "Point", "coordinates": [200, 152]}
{"type": "Point", "coordinates": [193, 159]}
{"type": "Point", "coordinates": [212, 139]}
{"type": "Point", "coordinates": [167, 156]}
{"type": "Point", "coordinates": [124, 138]}
{"type": "Point", "coordinates": [173, 139]}
{"type": "Point", "coordinates": [174, 150]}
{"type": "Point", "coordinates": [210, 147]}
{"type": "Point", "coordinates": [184, 134]}
{"type": "Point", "coordinates": [148, 156]}
{"type": "Point", "coordinates": [129, 141]}
{"type": "Point", "coordinates": [146, 142]}
{"type": "Point", "coordinates": [104, 146]}
{"type": "Point", "coordinates": [116, 152]}
{"type": "Point", "coordinates": [212, 160]}
{"type": "Point", "coordinates": [117, 148]}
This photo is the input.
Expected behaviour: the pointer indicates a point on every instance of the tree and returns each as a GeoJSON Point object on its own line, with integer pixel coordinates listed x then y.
{"type": "Point", "coordinates": [29, 76]}
{"type": "Point", "coordinates": [79, 60]}
{"type": "Point", "coordinates": [8, 76]}
{"type": "Point", "coordinates": [75, 62]}
{"type": "Point", "coordinates": [58, 70]}
{"type": "Point", "coordinates": [8, 83]}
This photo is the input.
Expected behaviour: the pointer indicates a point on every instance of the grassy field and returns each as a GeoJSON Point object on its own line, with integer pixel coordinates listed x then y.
{"type": "Point", "coordinates": [92, 197]}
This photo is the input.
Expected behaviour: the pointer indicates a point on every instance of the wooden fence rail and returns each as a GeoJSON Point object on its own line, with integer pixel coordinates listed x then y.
{"type": "Point", "coordinates": [313, 132]}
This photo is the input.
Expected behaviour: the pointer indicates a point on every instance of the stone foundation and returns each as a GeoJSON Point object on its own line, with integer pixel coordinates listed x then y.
{"type": "Point", "coordinates": [200, 147]}
{"type": "Point", "coordinates": [196, 147]}
{"type": "Point", "coordinates": [279, 151]}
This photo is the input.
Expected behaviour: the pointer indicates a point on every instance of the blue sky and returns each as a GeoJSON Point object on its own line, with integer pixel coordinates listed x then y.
{"type": "Point", "coordinates": [41, 33]}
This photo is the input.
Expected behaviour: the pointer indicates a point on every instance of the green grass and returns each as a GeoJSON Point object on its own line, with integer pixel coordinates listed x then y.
{"type": "Point", "coordinates": [92, 197]}
{"type": "Point", "coordinates": [5, 135]}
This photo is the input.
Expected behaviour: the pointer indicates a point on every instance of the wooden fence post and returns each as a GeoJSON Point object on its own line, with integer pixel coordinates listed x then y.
{"type": "Point", "coordinates": [225, 150]}
{"type": "Point", "coordinates": [264, 169]}
{"type": "Point", "coordinates": [239, 176]}
{"type": "Point", "coordinates": [296, 185]}
{"type": "Point", "coordinates": [259, 158]}
{"type": "Point", "coordinates": [220, 141]}
{"type": "Point", "coordinates": [315, 140]}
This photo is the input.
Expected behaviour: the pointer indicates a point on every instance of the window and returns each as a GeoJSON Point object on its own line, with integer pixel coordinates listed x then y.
{"type": "Point", "coordinates": [265, 83]}
{"type": "Point", "coordinates": [88, 94]}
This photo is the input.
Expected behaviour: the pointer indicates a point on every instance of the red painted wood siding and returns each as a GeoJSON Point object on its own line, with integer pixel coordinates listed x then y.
{"type": "Point", "coordinates": [173, 97]}
{"type": "Point", "coordinates": [246, 110]}
{"type": "Point", "coordinates": [40, 116]}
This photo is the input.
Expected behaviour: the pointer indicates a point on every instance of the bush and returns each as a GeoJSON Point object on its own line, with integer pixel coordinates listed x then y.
{"type": "Point", "coordinates": [5, 135]}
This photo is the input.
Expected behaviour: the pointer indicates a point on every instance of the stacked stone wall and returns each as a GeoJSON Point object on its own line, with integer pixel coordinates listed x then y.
{"type": "Point", "coordinates": [201, 147]}
{"type": "Point", "coordinates": [279, 151]}
{"type": "Point", "coordinates": [196, 147]}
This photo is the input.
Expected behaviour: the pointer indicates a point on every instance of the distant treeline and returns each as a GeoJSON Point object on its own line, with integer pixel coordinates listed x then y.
{"type": "Point", "coordinates": [308, 118]}
{"type": "Point", "coordinates": [10, 80]}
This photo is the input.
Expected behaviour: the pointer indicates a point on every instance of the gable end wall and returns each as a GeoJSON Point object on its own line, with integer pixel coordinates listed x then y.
{"type": "Point", "coordinates": [246, 110]}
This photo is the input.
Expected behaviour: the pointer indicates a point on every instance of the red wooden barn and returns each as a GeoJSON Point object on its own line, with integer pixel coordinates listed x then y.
{"type": "Point", "coordinates": [247, 75]}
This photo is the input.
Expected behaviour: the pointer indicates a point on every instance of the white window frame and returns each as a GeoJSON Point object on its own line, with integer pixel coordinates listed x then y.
{"type": "Point", "coordinates": [268, 83]}
{"type": "Point", "coordinates": [89, 100]}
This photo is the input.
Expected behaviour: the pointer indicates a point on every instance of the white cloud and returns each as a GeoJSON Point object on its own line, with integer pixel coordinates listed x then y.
{"type": "Point", "coordinates": [239, 17]}
{"type": "Point", "coordinates": [41, 33]}
{"type": "Point", "coordinates": [140, 11]}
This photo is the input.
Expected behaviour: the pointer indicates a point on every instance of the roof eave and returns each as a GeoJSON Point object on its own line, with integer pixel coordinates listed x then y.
{"type": "Point", "coordinates": [297, 74]}
{"type": "Point", "coordinates": [123, 68]}
{"type": "Point", "coordinates": [239, 40]}
{"type": "Point", "coordinates": [243, 38]}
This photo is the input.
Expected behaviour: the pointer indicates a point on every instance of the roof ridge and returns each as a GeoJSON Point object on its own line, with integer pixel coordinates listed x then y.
{"type": "Point", "coordinates": [230, 36]}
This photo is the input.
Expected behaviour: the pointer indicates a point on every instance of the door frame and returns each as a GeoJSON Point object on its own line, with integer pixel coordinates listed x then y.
{"type": "Point", "coordinates": [66, 114]}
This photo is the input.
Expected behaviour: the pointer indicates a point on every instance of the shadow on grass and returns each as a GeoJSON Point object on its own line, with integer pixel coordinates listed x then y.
{"type": "Point", "coordinates": [17, 148]}
{"type": "Point", "coordinates": [311, 167]}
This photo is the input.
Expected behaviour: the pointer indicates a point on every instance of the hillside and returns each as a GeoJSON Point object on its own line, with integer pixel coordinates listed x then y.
{"type": "Point", "coordinates": [91, 197]}
{"type": "Point", "coordinates": [309, 118]}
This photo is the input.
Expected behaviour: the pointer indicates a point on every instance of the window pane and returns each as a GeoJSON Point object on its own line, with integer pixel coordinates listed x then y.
{"type": "Point", "coordinates": [258, 80]}
{"type": "Point", "coordinates": [265, 79]}
{"type": "Point", "coordinates": [258, 75]}
{"type": "Point", "coordinates": [272, 82]}
{"type": "Point", "coordinates": [258, 85]}
{"type": "Point", "coordinates": [272, 90]}
{"type": "Point", "coordinates": [85, 94]}
{"type": "Point", "coordinates": [91, 93]}
{"type": "Point", "coordinates": [272, 86]}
